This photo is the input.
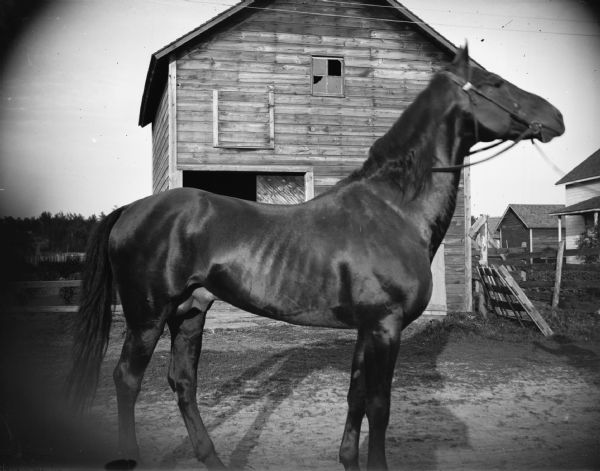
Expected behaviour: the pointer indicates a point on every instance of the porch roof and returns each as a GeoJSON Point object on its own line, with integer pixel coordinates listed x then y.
{"type": "Point", "coordinates": [588, 206]}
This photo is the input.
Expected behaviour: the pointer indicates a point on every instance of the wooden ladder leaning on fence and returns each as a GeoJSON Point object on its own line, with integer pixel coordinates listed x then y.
{"type": "Point", "coordinates": [497, 287]}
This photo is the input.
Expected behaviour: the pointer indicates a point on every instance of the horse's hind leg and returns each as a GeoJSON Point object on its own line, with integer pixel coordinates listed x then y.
{"type": "Point", "coordinates": [186, 344]}
{"type": "Point", "coordinates": [137, 349]}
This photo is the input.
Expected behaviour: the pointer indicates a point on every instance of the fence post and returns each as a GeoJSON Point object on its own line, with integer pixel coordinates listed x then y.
{"type": "Point", "coordinates": [484, 242]}
{"type": "Point", "coordinates": [558, 276]}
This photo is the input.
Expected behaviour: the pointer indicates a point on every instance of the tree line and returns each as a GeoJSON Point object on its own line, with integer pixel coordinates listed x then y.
{"type": "Point", "coordinates": [49, 233]}
{"type": "Point", "coordinates": [22, 239]}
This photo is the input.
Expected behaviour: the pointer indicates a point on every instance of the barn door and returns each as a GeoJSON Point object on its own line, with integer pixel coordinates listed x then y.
{"type": "Point", "coordinates": [437, 304]}
{"type": "Point", "coordinates": [283, 188]}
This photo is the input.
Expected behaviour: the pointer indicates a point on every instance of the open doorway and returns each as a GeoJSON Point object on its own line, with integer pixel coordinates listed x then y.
{"type": "Point", "coordinates": [264, 187]}
{"type": "Point", "coordinates": [237, 184]}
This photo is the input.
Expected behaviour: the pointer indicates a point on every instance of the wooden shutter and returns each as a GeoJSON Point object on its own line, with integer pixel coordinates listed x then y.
{"type": "Point", "coordinates": [280, 188]}
{"type": "Point", "coordinates": [243, 119]}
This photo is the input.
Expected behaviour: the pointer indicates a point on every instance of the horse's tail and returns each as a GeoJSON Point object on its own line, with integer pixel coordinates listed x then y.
{"type": "Point", "coordinates": [91, 327]}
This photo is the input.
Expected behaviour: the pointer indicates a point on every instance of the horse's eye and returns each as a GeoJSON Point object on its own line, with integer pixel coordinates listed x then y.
{"type": "Point", "coordinates": [493, 80]}
{"type": "Point", "coordinates": [497, 82]}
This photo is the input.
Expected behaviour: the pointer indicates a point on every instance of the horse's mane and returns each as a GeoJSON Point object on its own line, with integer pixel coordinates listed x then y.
{"type": "Point", "coordinates": [404, 155]}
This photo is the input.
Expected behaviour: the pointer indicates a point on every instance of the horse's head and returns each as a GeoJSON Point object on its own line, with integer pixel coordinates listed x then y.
{"type": "Point", "coordinates": [501, 110]}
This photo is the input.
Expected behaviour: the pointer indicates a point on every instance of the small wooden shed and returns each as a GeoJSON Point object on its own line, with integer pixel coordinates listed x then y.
{"type": "Point", "coordinates": [532, 227]}
{"type": "Point", "coordinates": [277, 100]}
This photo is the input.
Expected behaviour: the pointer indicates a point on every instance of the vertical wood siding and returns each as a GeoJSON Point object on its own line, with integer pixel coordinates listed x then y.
{"type": "Point", "coordinates": [160, 147]}
{"type": "Point", "coordinates": [575, 226]}
{"type": "Point", "coordinates": [386, 65]}
{"type": "Point", "coordinates": [514, 232]}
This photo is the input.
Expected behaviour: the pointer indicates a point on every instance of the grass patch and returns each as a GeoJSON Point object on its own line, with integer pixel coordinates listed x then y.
{"type": "Point", "coordinates": [577, 325]}
{"type": "Point", "coordinates": [566, 324]}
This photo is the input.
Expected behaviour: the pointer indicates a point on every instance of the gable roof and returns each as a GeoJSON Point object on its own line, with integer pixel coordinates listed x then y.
{"type": "Point", "coordinates": [535, 216]}
{"type": "Point", "coordinates": [588, 206]}
{"type": "Point", "coordinates": [589, 169]}
{"type": "Point", "coordinates": [158, 69]}
{"type": "Point", "coordinates": [493, 224]}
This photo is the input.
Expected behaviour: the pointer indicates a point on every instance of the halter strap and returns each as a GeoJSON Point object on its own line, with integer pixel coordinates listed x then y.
{"type": "Point", "coordinates": [467, 87]}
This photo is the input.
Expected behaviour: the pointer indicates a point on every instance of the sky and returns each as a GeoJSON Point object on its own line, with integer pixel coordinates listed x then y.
{"type": "Point", "coordinates": [71, 87]}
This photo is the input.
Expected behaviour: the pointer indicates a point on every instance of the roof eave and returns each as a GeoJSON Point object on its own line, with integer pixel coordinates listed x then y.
{"type": "Point", "coordinates": [143, 118]}
{"type": "Point", "coordinates": [509, 207]}
{"type": "Point", "coordinates": [581, 180]}
{"type": "Point", "coordinates": [429, 31]}
{"type": "Point", "coordinates": [159, 57]}
{"type": "Point", "coordinates": [520, 218]}
{"type": "Point", "coordinates": [577, 211]}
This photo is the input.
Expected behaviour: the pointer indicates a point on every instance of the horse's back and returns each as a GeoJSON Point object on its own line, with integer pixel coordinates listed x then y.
{"type": "Point", "coordinates": [312, 263]}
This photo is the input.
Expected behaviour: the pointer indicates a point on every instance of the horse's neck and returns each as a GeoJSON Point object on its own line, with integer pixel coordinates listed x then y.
{"type": "Point", "coordinates": [434, 207]}
{"type": "Point", "coordinates": [428, 133]}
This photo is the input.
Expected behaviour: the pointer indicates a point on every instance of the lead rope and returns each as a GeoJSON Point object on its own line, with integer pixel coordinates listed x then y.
{"type": "Point", "coordinates": [548, 160]}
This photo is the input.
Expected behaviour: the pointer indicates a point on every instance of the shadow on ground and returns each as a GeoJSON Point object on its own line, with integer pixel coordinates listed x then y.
{"type": "Point", "coordinates": [276, 377]}
{"type": "Point", "coordinates": [39, 430]}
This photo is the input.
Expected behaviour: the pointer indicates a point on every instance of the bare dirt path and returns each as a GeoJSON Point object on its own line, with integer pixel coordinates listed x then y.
{"type": "Point", "coordinates": [273, 397]}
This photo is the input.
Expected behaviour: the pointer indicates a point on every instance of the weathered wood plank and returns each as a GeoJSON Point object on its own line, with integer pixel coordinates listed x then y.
{"type": "Point", "coordinates": [402, 48]}
{"type": "Point", "coordinates": [558, 275]}
{"type": "Point", "coordinates": [160, 145]}
{"type": "Point", "coordinates": [524, 300]}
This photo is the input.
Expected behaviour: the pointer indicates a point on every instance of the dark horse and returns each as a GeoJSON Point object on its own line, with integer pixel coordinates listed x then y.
{"type": "Point", "coordinates": [357, 256]}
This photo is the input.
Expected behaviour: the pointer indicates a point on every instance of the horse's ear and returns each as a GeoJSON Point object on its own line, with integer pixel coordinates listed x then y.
{"type": "Point", "coordinates": [460, 65]}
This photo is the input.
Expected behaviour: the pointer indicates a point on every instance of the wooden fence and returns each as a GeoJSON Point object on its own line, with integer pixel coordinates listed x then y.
{"type": "Point", "coordinates": [36, 296]}
{"type": "Point", "coordinates": [537, 273]}
{"type": "Point", "coordinates": [546, 277]}
{"type": "Point", "coordinates": [56, 257]}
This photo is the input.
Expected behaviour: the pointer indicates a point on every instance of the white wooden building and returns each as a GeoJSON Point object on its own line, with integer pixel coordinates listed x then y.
{"type": "Point", "coordinates": [582, 198]}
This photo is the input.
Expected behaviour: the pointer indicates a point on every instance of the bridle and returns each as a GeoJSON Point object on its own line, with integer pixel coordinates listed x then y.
{"type": "Point", "coordinates": [532, 127]}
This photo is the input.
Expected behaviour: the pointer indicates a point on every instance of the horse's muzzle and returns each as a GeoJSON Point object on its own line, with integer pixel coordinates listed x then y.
{"type": "Point", "coordinates": [547, 132]}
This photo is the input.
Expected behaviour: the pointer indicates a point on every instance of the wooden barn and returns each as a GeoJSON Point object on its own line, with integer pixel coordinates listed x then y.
{"type": "Point", "coordinates": [532, 227]}
{"type": "Point", "coordinates": [277, 100]}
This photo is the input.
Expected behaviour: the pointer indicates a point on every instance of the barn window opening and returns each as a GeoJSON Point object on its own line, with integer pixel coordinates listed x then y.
{"type": "Point", "coordinates": [328, 76]}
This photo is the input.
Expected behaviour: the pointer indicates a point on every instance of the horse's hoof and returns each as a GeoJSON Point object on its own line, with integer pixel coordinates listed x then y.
{"type": "Point", "coordinates": [121, 464]}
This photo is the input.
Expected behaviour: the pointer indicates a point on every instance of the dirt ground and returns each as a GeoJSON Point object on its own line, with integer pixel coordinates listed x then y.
{"type": "Point", "coordinates": [274, 398]}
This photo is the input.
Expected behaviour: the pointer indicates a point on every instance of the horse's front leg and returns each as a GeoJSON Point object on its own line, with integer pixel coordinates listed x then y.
{"type": "Point", "coordinates": [356, 408]}
{"type": "Point", "coordinates": [381, 344]}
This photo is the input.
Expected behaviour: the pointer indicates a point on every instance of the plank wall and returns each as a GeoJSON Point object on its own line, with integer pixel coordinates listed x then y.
{"type": "Point", "coordinates": [578, 192]}
{"type": "Point", "coordinates": [546, 238]}
{"type": "Point", "coordinates": [160, 147]}
{"type": "Point", "coordinates": [575, 226]}
{"type": "Point", "coordinates": [386, 64]}
{"type": "Point", "coordinates": [514, 232]}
